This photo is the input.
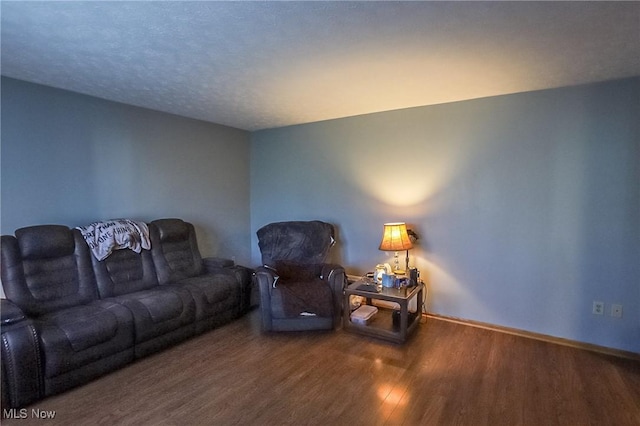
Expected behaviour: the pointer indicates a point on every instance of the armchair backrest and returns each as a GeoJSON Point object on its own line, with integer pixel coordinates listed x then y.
{"type": "Point", "coordinates": [47, 268]}
{"type": "Point", "coordinates": [175, 250]}
{"type": "Point", "coordinates": [305, 242]}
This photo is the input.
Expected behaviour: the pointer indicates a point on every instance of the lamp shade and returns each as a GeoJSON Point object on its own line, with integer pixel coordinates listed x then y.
{"type": "Point", "coordinates": [395, 237]}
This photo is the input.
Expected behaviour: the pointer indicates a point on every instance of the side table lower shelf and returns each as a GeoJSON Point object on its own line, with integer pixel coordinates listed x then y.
{"type": "Point", "coordinates": [383, 325]}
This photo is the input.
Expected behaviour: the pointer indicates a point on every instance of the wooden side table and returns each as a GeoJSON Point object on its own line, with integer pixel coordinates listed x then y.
{"type": "Point", "coordinates": [382, 325]}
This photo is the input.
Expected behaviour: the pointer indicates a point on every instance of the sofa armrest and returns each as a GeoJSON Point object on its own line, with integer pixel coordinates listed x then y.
{"type": "Point", "coordinates": [244, 276]}
{"type": "Point", "coordinates": [21, 360]}
{"type": "Point", "coordinates": [211, 264]}
{"type": "Point", "coordinates": [10, 313]}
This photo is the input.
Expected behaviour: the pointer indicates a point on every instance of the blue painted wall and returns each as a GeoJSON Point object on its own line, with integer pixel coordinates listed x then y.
{"type": "Point", "coordinates": [528, 205]}
{"type": "Point", "coordinates": [73, 159]}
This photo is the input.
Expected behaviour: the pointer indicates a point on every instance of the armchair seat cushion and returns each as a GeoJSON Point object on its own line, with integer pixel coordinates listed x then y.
{"type": "Point", "coordinates": [79, 336]}
{"type": "Point", "coordinates": [291, 299]}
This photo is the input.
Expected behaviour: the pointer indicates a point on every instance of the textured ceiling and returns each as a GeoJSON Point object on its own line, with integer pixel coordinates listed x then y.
{"type": "Point", "coordinates": [256, 65]}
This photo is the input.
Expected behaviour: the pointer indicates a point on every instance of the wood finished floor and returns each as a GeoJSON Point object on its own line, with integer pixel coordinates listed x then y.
{"type": "Point", "coordinates": [447, 374]}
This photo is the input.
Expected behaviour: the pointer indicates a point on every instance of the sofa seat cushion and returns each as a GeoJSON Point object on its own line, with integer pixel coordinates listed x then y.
{"type": "Point", "coordinates": [213, 293]}
{"type": "Point", "coordinates": [74, 337]}
{"type": "Point", "coordinates": [162, 306]}
{"type": "Point", "coordinates": [159, 310]}
{"type": "Point", "coordinates": [85, 326]}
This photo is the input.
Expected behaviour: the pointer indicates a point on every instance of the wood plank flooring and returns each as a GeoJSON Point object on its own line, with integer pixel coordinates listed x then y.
{"type": "Point", "coordinates": [446, 374]}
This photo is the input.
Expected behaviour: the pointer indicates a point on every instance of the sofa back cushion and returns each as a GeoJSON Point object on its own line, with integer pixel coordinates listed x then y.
{"type": "Point", "coordinates": [124, 271]}
{"type": "Point", "coordinates": [47, 268]}
{"type": "Point", "coordinates": [175, 250]}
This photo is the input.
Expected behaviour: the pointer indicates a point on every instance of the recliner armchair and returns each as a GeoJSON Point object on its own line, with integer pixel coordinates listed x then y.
{"type": "Point", "coordinates": [298, 290]}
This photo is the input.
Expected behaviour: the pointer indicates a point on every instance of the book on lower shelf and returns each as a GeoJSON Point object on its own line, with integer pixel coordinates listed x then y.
{"type": "Point", "coordinates": [363, 314]}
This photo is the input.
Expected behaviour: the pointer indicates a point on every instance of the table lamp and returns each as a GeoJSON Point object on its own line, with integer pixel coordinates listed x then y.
{"type": "Point", "coordinates": [396, 238]}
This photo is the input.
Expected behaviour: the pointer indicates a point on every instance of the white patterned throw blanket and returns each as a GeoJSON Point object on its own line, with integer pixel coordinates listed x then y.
{"type": "Point", "coordinates": [105, 237]}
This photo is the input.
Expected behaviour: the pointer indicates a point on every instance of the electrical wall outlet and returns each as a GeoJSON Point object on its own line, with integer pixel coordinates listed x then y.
{"type": "Point", "coordinates": [598, 308]}
{"type": "Point", "coordinates": [616, 311]}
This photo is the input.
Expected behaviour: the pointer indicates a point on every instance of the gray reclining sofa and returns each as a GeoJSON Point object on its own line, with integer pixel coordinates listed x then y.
{"type": "Point", "coordinates": [69, 318]}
